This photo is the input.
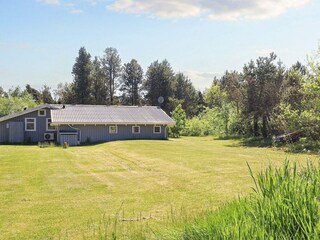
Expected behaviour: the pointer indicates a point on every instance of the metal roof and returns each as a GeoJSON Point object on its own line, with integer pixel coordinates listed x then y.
{"type": "Point", "coordinates": [102, 114]}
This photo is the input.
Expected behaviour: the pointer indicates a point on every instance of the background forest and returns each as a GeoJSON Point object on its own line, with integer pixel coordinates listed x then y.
{"type": "Point", "coordinates": [265, 99]}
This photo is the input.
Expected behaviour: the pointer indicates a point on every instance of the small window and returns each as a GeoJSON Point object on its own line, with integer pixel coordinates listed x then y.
{"type": "Point", "coordinates": [7, 125]}
{"type": "Point", "coordinates": [136, 129]}
{"type": "Point", "coordinates": [30, 124]}
{"type": "Point", "coordinates": [113, 129]}
{"type": "Point", "coordinates": [49, 127]}
{"type": "Point", "coordinates": [42, 113]}
{"type": "Point", "coordinates": [156, 129]}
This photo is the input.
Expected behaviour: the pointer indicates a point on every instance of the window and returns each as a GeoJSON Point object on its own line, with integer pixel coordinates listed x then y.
{"type": "Point", "coordinates": [49, 127]}
{"type": "Point", "coordinates": [113, 129]}
{"type": "Point", "coordinates": [30, 124]}
{"type": "Point", "coordinates": [42, 113]}
{"type": "Point", "coordinates": [136, 129]}
{"type": "Point", "coordinates": [156, 129]}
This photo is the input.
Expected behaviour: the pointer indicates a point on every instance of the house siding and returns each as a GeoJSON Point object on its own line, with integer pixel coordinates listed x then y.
{"type": "Point", "coordinates": [4, 132]}
{"type": "Point", "coordinates": [89, 133]}
{"type": "Point", "coordinates": [100, 133]}
{"type": "Point", "coordinates": [29, 136]}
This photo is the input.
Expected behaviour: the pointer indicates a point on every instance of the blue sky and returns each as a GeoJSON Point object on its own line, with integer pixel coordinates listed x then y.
{"type": "Point", "coordinates": [40, 39]}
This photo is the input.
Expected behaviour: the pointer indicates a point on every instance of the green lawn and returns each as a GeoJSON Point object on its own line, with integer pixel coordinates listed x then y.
{"type": "Point", "coordinates": [52, 192]}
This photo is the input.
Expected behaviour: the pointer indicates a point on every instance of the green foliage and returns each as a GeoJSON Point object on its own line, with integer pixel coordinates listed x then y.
{"type": "Point", "coordinates": [216, 121]}
{"type": "Point", "coordinates": [82, 82]}
{"type": "Point", "coordinates": [131, 81]}
{"type": "Point", "coordinates": [46, 96]}
{"type": "Point", "coordinates": [9, 105]}
{"type": "Point", "coordinates": [99, 86]}
{"type": "Point", "coordinates": [186, 94]}
{"type": "Point", "coordinates": [112, 66]}
{"type": "Point", "coordinates": [284, 206]}
{"type": "Point", "coordinates": [65, 93]}
{"type": "Point", "coordinates": [160, 82]}
{"type": "Point", "coordinates": [179, 116]}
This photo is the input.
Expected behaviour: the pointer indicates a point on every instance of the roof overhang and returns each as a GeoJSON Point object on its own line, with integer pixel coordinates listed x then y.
{"type": "Point", "coordinates": [112, 123]}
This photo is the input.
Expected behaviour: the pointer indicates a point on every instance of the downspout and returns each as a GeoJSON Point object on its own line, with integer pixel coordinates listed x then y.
{"type": "Point", "coordinates": [79, 140]}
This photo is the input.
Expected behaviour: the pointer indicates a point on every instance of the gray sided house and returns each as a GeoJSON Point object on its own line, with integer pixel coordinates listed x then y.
{"type": "Point", "coordinates": [76, 124]}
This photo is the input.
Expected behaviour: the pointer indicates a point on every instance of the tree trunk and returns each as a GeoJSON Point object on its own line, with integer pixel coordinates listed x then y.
{"type": "Point", "coordinates": [255, 125]}
{"type": "Point", "coordinates": [264, 126]}
{"type": "Point", "coordinates": [110, 85]}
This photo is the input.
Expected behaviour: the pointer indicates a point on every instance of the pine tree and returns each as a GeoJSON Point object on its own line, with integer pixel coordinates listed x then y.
{"type": "Point", "coordinates": [131, 82]}
{"type": "Point", "coordinates": [82, 82]}
{"type": "Point", "coordinates": [112, 66]}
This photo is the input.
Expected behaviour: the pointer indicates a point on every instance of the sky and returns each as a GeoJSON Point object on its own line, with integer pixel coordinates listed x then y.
{"type": "Point", "coordinates": [40, 39]}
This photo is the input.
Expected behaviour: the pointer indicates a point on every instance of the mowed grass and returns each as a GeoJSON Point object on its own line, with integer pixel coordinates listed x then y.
{"type": "Point", "coordinates": [61, 193]}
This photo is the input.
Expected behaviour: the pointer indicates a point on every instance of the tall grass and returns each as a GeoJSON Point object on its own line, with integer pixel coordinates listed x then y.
{"type": "Point", "coordinates": [284, 205]}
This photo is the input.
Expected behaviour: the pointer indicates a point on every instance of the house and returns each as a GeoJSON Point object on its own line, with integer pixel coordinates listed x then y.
{"type": "Point", "coordinates": [76, 124]}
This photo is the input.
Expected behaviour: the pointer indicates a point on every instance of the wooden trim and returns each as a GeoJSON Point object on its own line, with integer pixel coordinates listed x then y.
{"type": "Point", "coordinates": [35, 125]}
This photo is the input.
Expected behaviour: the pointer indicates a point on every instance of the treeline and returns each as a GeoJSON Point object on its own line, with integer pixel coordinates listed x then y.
{"type": "Point", "coordinates": [15, 99]}
{"type": "Point", "coordinates": [105, 80]}
{"type": "Point", "coordinates": [264, 99]}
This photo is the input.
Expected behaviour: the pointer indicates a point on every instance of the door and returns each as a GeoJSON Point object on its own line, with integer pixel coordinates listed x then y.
{"type": "Point", "coordinates": [16, 132]}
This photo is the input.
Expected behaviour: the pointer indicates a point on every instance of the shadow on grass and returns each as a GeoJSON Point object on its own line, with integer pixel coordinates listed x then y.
{"type": "Point", "coordinates": [248, 141]}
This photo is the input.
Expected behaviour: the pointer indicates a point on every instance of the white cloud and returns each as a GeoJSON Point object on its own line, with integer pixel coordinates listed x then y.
{"type": "Point", "coordinates": [212, 9]}
{"type": "Point", "coordinates": [76, 11]}
{"type": "Point", "coordinates": [50, 2]}
{"type": "Point", "coordinates": [201, 80]}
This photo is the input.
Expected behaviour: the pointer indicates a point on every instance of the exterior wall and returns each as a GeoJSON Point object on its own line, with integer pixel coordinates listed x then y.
{"type": "Point", "coordinates": [100, 133]}
{"type": "Point", "coordinates": [29, 136]}
{"type": "Point", "coordinates": [88, 133]}
{"type": "Point", "coordinates": [4, 132]}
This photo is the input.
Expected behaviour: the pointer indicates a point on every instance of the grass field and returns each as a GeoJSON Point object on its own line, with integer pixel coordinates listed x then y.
{"type": "Point", "coordinates": [65, 193]}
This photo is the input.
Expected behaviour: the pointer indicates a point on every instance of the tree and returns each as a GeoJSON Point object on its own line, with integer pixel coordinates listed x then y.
{"type": "Point", "coordinates": [180, 117]}
{"type": "Point", "coordinates": [65, 93]}
{"type": "Point", "coordinates": [99, 83]}
{"type": "Point", "coordinates": [112, 66]}
{"type": "Point", "coordinates": [36, 95]}
{"type": "Point", "coordinates": [187, 94]}
{"type": "Point", "coordinates": [291, 89]}
{"type": "Point", "coordinates": [3, 93]}
{"type": "Point", "coordinates": [200, 103]}
{"type": "Point", "coordinates": [263, 80]}
{"type": "Point", "coordinates": [131, 81]}
{"type": "Point", "coordinates": [82, 82]}
{"type": "Point", "coordinates": [218, 101]}
{"type": "Point", "coordinates": [45, 95]}
{"type": "Point", "coordinates": [12, 104]}
{"type": "Point", "coordinates": [232, 84]}
{"type": "Point", "coordinates": [160, 82]}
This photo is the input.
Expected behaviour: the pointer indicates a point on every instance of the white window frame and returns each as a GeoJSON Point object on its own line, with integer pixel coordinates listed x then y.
{"type": "Point", "coordinates": [133, 132]}
{"type": "Point", "coordinates": [35, 125]}
{"type": "Point", "coordinates": [154, 127]}
{"type": "Point", "coordinates": [116, 127]}
{"type": "Point", "coordinates": [45, 113]}
{"type": "Point", "coordinates": [47, 126]}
